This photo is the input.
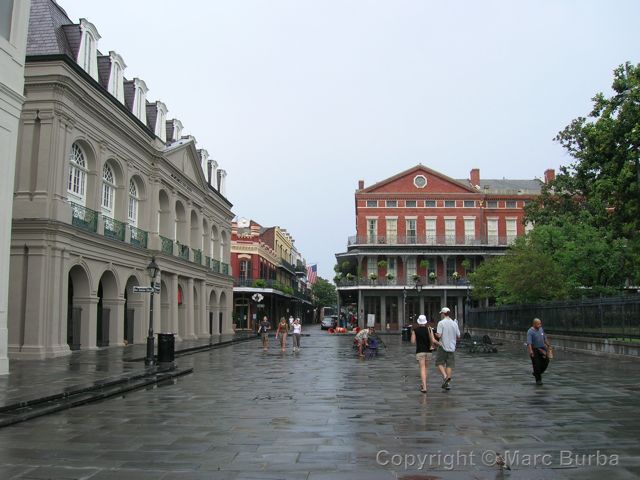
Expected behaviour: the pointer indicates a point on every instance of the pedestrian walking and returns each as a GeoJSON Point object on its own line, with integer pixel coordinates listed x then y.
{"type": "Point", "coordinates": [425, 342]}
{"type": "Point", "coordinates": [362, 338]}
{"type": "Point", "coordinates": [283, 329]}
{"type": "Point", "coordinates": [447, 333]}
{"type": "Point", "coordinates": [538, 347]}
{"type": "Point", "coordinates": [263, 329]}
{"type": "Point", "coordinates": [297, 332]}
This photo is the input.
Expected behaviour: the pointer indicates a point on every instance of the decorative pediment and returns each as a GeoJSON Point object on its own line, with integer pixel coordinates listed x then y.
{"type": "Point", "coordinates": [186, 158]}
{"type": "Point", "coordinates": [421, 180]}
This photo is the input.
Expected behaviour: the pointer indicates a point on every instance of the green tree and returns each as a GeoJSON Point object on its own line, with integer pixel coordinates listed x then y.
{"type": "Point", "coordinates": [601, 187]}
{"type": "Point", "coordinates": [324, 293]}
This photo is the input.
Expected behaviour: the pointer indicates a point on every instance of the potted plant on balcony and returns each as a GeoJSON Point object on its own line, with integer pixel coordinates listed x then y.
{"type": "Point", "coordinates": [432, 276]}
{"type": "Point", "coordinates": [350, 277]}
{"type": "Point", "coordinates": [424, 263]}
{"type": "Point", "coordinates": [415, 277]}
{"type": "Point", "coordinates": [455, 276]}
{"type": "Point", "coordinates": [466, 264]}
{"type": "Point", "coordinates": [373, 276]}
{"type": "Point", "coordinates": [259, 283]}
{"type": "Point", "coordinates": [390, 276]}
{"type": "Point", "coordinates": [337, 279]}
{"type": "Point", "coordinates": [382, 264]}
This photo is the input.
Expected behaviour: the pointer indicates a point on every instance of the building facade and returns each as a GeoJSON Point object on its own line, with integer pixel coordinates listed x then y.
{"type": "Point", "coordinates": [418, 236]}
{"type": "Point", "coordinates": [14, 17]}
{"type": "Point", "coordinates": [105, 181]}
{"type": "Point", "coordinates": [266, 262]}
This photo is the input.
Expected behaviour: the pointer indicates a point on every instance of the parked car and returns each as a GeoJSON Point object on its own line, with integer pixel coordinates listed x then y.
{"type": "Point", "coordinates": [329, 322]}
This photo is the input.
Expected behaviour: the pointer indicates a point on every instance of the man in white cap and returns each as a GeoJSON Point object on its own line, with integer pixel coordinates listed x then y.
{"type": "Point", "coordinates": [447, 333]}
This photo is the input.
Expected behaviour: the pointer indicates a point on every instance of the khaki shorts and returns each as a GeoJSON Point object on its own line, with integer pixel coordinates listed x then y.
{"type": "Point", "coordinates": [445, 358]}
{"type": "Point", "coordinates": [421, 355]}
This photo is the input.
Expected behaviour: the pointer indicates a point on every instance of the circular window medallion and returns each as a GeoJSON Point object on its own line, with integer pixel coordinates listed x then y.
{"type": "Point", "coordinates": [420, 181]}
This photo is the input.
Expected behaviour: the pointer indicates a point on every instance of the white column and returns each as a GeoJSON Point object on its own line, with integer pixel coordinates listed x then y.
{"type": "Point", "coordinates": [188, 302]}
{"type": "Point", "coordinates": [88, 322]}
{"type": "Point", "coordinates": [202, 322]}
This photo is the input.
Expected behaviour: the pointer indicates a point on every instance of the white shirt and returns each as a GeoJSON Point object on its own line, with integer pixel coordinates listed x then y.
{"type": "Point", "coordinates": [449, 331]}
{"type": "Point", "coordinates": [297, 328]}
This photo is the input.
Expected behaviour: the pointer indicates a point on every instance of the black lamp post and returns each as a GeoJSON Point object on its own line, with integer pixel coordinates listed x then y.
{"type": "Point", "coordinates": [404, 305]}
{"type": "Point", "coordinates": [152, 269]}
{"type": "Point", "coordinates": [418, 284]}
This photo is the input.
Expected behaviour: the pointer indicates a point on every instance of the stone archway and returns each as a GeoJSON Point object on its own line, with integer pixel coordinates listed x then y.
{"type": "Point", "coordinates": [80, 308]}
{"type": "Point", "coordinates": [134, 312]}
{"type": "Point", "coordinates": [110, 312]}
{"type": "Point", "coordinates": [213, 317]}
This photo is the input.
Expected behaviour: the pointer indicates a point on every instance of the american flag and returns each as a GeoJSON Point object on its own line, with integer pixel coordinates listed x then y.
{"type": "Point", "coordinates": [312, 273]}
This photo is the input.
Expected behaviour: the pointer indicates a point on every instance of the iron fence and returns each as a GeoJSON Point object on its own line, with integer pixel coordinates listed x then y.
{"type": "Point", "coordinates": [114, 228]}
{"type": "Point", "coordinates": [616, 318]}
{"type": "Point", "coordinates": [167, 245]}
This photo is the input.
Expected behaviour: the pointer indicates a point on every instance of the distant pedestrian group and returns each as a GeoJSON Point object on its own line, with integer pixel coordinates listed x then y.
{"type": "Point", "coordinates": [293, 326]}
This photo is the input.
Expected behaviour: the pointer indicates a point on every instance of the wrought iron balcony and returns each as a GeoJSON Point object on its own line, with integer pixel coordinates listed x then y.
{"type": "Point", "coordinates": [225, 268]}
{"type": "Point", "coordinates": [197, 256]}
{"type": "Point", "coordinates": [167, 245]}
{"type": "Point", "coordinates": [215, 265]}
{"type": "Point", "coordinates": [438, 240]}
{"type": "Point", "coordinates": [409, 283]}
{"type": "Point", "coordinates": [114, 228]}
{"type": "Point", "coordinates": [139, 238]}
{"type": "Point", "coordinates": [183, 251]}
{"type": "Point", "coordinates": [84, 218]}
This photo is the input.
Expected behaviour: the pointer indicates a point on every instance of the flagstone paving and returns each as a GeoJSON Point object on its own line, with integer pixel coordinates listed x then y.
{"type": "Point", "coordinates": [322, 413]}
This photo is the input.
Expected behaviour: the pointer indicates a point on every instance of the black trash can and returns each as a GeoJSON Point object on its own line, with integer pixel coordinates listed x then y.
{"type": "Point", "coordinates": [166, 347]}
{"type": "Point", "coordinates": [406, 333]}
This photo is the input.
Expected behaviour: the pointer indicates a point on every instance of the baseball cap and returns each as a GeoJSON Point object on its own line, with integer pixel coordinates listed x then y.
{"type": "Point", "coordinates": [445, 310]}
{"type": "Point", "coordinates": [422, 320]}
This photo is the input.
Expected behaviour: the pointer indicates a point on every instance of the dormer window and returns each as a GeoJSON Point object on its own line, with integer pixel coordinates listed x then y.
{"type": "Point", "coordinates": [161, 120]}
{"type": "Point", "coordinates": [140, 99]}
{"type": "Point", "coordinates": [116, 86]}
{"type": "Point", "coordinates": [87, 54]}
{"type": "Point", "coordinates": [177, 129]}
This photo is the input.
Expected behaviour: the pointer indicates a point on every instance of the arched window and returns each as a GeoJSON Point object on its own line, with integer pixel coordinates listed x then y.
{"type": "Point", "coordinates": [133, 203]}
{"type": "Point", "coordinates": [76, 186]}
{"type": "Point", "coordinates": [108, 188]}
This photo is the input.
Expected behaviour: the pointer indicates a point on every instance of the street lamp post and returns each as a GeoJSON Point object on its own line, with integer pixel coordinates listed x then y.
{"type": "Point", "coordinates": [404, 305]}
{"type": "Point", "coordinates": [418, 284]}
{"type": "Point", "coordinates": [152, 269]}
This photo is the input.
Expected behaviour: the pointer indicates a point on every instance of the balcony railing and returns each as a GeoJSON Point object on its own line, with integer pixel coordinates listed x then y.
{"type": "Point", "coordinates": [84, 218]}
{"type": "Point", "coordinates": [439, 240]}
{"type": "Point", "coordinates": [114, 228]}
{"type": "Point", "coordinates": [225, 268]}
{"type": "Point", "coordinates": [440, 280]}
{"type": "Point", "coordinates": [271, 284]}
{"type": "Point", "coordinates": [215, 265]}
{"type": "Point", "coordinates": [183, 251]}
{"type": "Point", "coordinates": [167, 245]}
{"type": "Point", "coordinates": [197, 256]}
{"type": "Point", "coordinates": [288, 266]}
{"type": "Point", "coordinates": [139, 238]}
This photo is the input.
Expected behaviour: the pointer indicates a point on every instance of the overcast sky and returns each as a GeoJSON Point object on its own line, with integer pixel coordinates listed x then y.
{"type": "Point", "coordinates": [299, 99]}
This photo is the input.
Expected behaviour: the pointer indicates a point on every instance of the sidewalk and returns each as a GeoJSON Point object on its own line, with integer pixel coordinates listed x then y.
{"type": "Point", "coordinates": [30, 380]}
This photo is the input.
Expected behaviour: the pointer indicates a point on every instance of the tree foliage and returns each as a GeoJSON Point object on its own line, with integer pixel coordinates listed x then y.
{"type": "Point", "coordinates": [324, 293]}
{"type": "Point", "coordinates": [586, 239]}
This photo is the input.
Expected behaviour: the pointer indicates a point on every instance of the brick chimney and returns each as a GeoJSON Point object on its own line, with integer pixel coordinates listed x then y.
{"type": "Point", "coordinates": [474, 176]}
{"type": "Point", "coordinates": [360, 184]}
{"type": "Point", "coordinates": [549, 175]}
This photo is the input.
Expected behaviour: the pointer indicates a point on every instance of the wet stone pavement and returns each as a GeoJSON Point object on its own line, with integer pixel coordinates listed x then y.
{"type": "Point", "coordinates": [322, 413]}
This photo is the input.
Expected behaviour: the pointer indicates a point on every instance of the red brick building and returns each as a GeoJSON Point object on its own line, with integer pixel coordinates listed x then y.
{"type": "Point", "coordinates": [265, 261]}
{"type": "Point", "coordinates": [418, 236]}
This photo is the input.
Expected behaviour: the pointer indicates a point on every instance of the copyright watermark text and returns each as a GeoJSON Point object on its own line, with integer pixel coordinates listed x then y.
{"type": "Point", "coordinates": [512, 458]}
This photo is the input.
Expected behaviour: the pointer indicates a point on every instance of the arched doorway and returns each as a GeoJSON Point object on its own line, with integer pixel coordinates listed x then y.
{"type": "Point", "coordinates": [77, 305]}
{"type": "Point", "coordinates": [107, 316]}
{"type": "Point", "coordinates": [222, 312]}
{"type": "Point", "coordinates": [132, 309]}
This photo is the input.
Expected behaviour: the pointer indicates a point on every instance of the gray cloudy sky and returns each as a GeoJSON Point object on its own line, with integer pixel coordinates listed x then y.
{"type": "Point", "coordinates": [298, 99]}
